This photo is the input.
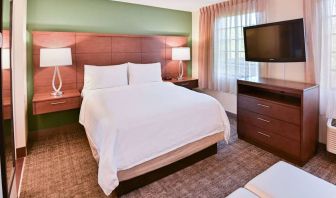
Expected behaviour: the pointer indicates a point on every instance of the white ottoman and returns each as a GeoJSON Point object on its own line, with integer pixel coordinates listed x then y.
{"type": "Point", "coordinates": [283, 180]}
{"type": "Point", "coordinates": [242, 193]}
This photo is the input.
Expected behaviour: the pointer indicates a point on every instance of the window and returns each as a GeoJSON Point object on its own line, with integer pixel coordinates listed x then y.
{"type": "Point", "coordinates": [222, 56]}
{"type": "Point", "coordinates": [229, 47]}
{"type": "Point", "coordinates": [333, 51]}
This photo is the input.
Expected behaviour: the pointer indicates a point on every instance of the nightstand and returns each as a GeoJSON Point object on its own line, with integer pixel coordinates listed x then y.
{"type": "Point", "coordinates": [187, 82]}
{"type": "Point", "coordinates": [45, 103]}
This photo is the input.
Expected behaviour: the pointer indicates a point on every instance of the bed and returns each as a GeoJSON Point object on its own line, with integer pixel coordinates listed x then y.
{"type": "Point", "coordinates": [135, 129]}
{"type": "Point", "coordinates": [172, 127]}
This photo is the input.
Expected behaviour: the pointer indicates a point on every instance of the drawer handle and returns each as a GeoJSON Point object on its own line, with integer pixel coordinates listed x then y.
{"type": "Point", "coordinates": [262, 105]}
{"type": "Point", "coordinates": [264, 120]}
{"type": "Point", "coordinates": [57, 103]}
{"type": "Point", "coordinates": [184, 84]}
{"type": "Point", "coordinates": [264, 134]}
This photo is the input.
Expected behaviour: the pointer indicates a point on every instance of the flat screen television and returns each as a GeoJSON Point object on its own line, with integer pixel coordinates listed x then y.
{"type": "Point", "coordinates": [275, 42]}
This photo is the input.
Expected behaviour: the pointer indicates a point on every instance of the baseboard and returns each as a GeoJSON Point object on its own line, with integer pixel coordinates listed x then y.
{"type": "Point", "coordinates": [19, 174]}
{"type": "Point", "coordinates": [21, 152]}
{"type": "Point", "coordinates": [49, 132]}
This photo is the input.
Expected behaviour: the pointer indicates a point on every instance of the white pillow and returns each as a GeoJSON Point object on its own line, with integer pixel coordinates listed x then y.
{"type": "Point", "coordinates": [100, 77]}
{"type": "Point", "coordinates": [144, 73]}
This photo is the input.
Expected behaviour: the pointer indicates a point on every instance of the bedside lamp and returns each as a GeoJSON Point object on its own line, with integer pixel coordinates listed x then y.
{"type": "Point", "coordinates": [55, 57]}
{"type": "Point", "coordinates": [181, 54]}
{"type": "Point", "coordinates": [5, 57]}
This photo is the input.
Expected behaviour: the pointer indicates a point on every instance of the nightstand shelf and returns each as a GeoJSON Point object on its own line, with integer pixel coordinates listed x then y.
{"type": "Point", "coordinates": [187, 82]}
{"type": "Point", "coordinates": [45, 103]}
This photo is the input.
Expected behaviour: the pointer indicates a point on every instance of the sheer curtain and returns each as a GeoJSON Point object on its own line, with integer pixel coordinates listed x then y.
{"type": "Point", "coordinates": [328, 71]}
{"type": "Point", "coordinates": [222, 56]}
{"type": "Point", "coordinates": [320, 18]}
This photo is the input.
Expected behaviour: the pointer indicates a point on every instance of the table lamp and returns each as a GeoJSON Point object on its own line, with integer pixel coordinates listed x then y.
{"type": "Point", "coordinates": [5, 57]}
{"type": "Point", "coordinates": [181, 54]}
{"type": "Point", "coordinates": [55, 57]}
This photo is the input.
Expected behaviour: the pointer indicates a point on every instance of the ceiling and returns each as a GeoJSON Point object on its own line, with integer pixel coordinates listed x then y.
{"type": "Point", "coordinates": [184, 5]}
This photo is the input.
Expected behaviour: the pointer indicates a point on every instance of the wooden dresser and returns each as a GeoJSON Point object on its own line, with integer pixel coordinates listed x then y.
{"type": "Point", "coordinates": [279, 116]}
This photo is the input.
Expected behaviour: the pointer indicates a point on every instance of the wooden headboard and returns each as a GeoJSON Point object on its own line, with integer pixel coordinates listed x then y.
{"type": "Point", "coordinates": [6, 81]}
{"type": "Point", "coordinates": [6, 75]}
{"type": "Point", "coordinates": [102, 49]}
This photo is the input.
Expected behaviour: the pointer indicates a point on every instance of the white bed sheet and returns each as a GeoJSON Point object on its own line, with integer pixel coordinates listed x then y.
{"type": "Point", "coordinates": [129, 125]}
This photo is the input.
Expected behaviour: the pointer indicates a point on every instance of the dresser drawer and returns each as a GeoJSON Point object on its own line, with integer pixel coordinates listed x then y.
{"type": "Point", "coordinates": [190, 84]}
{"type": "Point", "coordinates": [271, 140]}
{"type": "Point", "coordinates": [42, 107]}
{"type": "Point", "coordinates": [265, 107]}
{"type": "Point", "coordinates": [279, 127]}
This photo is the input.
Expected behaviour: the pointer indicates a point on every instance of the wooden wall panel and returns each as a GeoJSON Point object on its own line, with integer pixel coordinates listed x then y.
{"type": "Point", "coordinates": [53, 40]}
{"type": "Point", "coordinates": [124, 57]}
{"type": "Point", "coordinates": [100, 50]}
{"type": "Point", "coordinates": [6, 80]}
{"type": "Point", "coordinates": [5, 39]}
{"type": "Point", "coordinates": [174, 41]}
{"type": "Point", "coordinates": [6, 77]}
{"type": "Point", "coordinates": [126, 49]}
{"type": "Point", "coordinates": [171, 67]}
{"type": "Point", "coordinates": [153, 44]}
{"type": "Point", "coordinates": [153, 50]}
{"type": "Point", "coordinates": [90, 59]}
{"type": "Point", "coordinates": [126, 44]}
{"type": "Point", "coordinates": [93, 44]}
{"type": "Point", "coordinates": [154, 57]}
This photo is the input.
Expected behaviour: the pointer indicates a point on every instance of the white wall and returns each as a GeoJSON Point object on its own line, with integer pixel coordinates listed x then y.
{"type": "Point", "coordinates": [281, 10]}
{"type": "Point", "coordinates": [19, 72]}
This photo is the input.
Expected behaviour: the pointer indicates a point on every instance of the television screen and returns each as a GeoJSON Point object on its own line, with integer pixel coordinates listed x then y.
{"type": "Point", "coordinates": [275, 42]}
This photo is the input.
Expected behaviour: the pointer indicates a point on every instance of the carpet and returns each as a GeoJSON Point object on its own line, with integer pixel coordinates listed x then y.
{"type": "Point", "coordinates": [62, 165]}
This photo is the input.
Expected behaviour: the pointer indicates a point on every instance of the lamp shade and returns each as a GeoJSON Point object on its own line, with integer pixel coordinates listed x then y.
{"type": "Point", "coordinates": [50, 57]}
{"type": "Point", "coordinates": [181, 53]}
{"type": "Point", "coordinates": [5, 57]}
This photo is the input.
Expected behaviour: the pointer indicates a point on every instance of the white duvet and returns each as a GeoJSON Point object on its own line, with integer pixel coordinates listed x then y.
{"type": "Point", "coordinates": [129, 125]}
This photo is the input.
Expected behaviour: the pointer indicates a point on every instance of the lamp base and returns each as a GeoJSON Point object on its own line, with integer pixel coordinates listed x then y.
{"type": "Point", "coordinates": [57, 93]}
{"type": "Point", "coordinates": [180, 76]}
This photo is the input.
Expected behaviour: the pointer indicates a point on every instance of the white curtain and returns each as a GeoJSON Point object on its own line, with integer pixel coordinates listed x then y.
{"type": "Point", "coordinates": [329, 84]}
{"type": "Point", "coordinates": [229, 55]}
{"type": "Point", "coordinates": [320, 18]}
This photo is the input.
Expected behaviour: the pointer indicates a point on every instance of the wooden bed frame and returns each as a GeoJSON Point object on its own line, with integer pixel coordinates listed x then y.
{"type": "Point", "coordinates": [142, 180]}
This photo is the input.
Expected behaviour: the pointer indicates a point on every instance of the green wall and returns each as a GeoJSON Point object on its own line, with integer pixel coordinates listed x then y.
{"type": "Point", "coordinates": [5, 14]}
{"type": "Point", "coordinates": [102, 16]}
